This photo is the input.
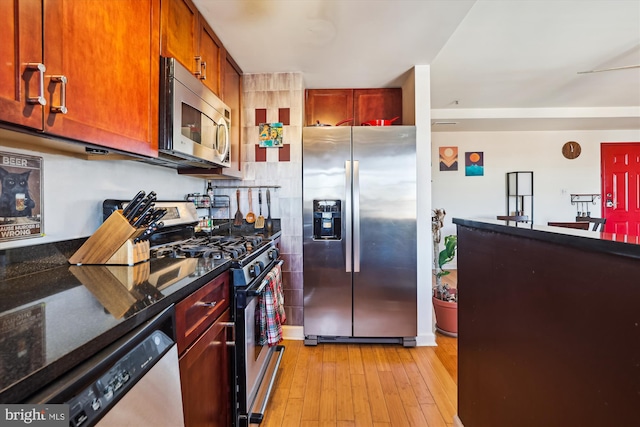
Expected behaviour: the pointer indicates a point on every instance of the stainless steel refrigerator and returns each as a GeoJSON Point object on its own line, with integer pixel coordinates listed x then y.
{"type": "Point", "coordinates": [359, 243]}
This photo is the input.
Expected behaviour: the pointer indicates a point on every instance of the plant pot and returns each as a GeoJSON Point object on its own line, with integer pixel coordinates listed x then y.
{"type": "Point", "coordinates": [446, 317]}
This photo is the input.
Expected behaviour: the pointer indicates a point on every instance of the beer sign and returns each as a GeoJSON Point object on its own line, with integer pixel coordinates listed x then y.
{"type": "Point", "coordinates": [20, 196]}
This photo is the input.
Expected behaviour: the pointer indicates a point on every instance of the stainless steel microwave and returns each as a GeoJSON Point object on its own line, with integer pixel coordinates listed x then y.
{"type": "Point", "coordinates": [194, 122]}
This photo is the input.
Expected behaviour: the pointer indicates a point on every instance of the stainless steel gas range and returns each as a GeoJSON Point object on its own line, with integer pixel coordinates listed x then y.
{"type": "Point", "coordinates": [254, 262]}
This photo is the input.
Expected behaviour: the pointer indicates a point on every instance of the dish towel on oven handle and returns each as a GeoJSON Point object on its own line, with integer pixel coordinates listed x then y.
{"type": "Point", "coordinates": [271, 314]}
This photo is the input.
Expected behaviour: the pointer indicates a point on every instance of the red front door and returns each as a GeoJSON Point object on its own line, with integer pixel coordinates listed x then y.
{"type": "Point", "coordinates": [621, 187]}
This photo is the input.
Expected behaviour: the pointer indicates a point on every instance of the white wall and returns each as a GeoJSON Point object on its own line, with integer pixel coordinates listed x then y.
{"type": "Point", "coordinates": [555, 177]}
{"type": "Point", "coordinates": [421, 81]}
{"type": "Point", "coordinates": [74, 189]}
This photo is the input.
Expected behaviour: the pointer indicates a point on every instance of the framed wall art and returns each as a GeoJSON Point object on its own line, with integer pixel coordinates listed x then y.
{"type": "Point", "coordinates": [448, 158]}
{"type": "Point", "coordinates": [270, 134]}
{"type": "Point", "coordinates": [474, 163]}
{"type": "Point", "coordinates": [20, 196]}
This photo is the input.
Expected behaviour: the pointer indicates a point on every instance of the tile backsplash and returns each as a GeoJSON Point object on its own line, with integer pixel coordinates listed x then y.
{"type": "Point", "coordinates": [270, 98]}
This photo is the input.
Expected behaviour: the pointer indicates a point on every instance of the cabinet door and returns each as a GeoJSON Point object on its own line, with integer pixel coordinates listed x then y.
{"type": "Point", "coordinates": [328, 106]}
{"type": "Point", "coordinates": [373, 104]}
{"type": "Point", "coordinates": [108, 52]}
{"type": "Point", "coordinates": [232, 96]}
{"type": "Point", "coordinates": [179, 30]}
{"type": "Point", "coordinates": [21, 44]}
{"type": "Point", "coordinates": [204, 376]}
{"type": "Point", "coordinates": [209, 50]}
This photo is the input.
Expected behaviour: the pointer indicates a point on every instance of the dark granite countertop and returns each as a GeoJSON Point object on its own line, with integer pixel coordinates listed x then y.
{"type": "Point", "coordinates": [615, 244]}
{"type": "Point", "coordinates": [54, 319]}
{"type": "Point", "coordinates": [54, 315]}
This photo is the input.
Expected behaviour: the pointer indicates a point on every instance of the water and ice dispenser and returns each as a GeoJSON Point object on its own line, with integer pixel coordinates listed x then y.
{"type": "Point", "coordinates": [327, 220]}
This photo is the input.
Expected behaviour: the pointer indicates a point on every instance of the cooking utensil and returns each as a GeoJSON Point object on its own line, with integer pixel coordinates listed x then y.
{"type": "Point", "coordinates": [380, 122]}
{"type": "Point", "coordinates": [260, 221]}
{"type": "Point", "coordinates": [238, 218]}
{"type": "Point", "coordinates": [251, 217]}
{"type": "Point", "coordinates": [341, 122]}
{"type": "Point", "coordinates": [269, 222]}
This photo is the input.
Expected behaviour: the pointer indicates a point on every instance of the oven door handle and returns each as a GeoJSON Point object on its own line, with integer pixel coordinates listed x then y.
{"type": "Point", "coordinates": [263, 284]}
{"type": "Point", "coordinates": [271, 371]}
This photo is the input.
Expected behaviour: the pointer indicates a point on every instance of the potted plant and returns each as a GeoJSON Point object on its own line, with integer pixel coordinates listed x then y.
{"type": "Point", "coordinates": [445, 298]}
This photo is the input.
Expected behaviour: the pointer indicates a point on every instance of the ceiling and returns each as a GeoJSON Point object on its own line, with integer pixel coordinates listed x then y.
{"type": "Point", "coordinates": [494, 64]}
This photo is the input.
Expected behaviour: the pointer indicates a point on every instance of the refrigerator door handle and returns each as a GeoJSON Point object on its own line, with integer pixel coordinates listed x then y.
{"type": "Point", "coordinates": [356, 216]}
{"type": "Point", "coordinates": [346, 222]}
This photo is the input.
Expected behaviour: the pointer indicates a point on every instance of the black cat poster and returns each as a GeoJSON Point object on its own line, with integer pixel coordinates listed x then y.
{"type": "Point", "coordinates": [20, 196]}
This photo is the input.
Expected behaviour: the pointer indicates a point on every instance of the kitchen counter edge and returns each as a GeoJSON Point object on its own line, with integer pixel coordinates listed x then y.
{"type": "Point", "coordinates": [607, 243]}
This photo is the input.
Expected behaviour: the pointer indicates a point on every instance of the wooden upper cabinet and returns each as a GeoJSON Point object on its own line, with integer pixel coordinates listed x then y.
{"type": "Point", "coordinates": [102, 62]}
{"type": "Point", "coordinates": [232, 96]}
{"type": "Point", "coordinates": [98, 82]}
{"type": "Point", "coordinates": [180, 20]}
{"type": "Point", "coordinates": [187, 37]}
{"type": "Point", "coordinates": [209, 54]}
{"type": "Point", "coordinates": [21, 94]}
{"type": "Point", "coordinates": [374, 104]}
{"type": "Point", "coordinates": [330, 106]}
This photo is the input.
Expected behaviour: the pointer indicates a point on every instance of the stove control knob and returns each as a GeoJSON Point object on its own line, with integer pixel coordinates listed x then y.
{"type": "Point", "coordinates": [273, 253]}
{"type": "Point", "coordinates": [254, 269]}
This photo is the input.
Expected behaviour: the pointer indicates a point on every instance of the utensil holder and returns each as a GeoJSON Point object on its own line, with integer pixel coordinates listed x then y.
{"type": "Point", "coordinates": [112, 243]}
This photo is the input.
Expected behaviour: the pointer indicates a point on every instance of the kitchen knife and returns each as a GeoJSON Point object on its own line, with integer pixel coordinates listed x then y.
{"type": "Point", "coordinates": [133, 206]}
{"type": "Point", "coordinates": [143, 206]}
{"type": "Point", "coordinates": [152, 228]}
{"type": "Point", "coordinates": [141, 218]}
{"type": "Point", "coordinates": [155, 216]}
{"type": "Point", "coordinates": [152, 217]}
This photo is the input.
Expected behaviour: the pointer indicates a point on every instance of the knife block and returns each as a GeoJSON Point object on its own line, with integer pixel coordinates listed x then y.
{"type": "Point", "coordinates": [112, 243]}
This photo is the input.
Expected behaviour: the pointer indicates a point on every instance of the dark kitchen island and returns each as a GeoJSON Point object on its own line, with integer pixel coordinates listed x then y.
{"type": "Point", "coordinates": [549, 326]}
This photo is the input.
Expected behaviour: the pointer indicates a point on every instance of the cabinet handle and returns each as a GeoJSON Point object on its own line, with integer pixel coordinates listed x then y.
{"type": "Point", "coordinates": [198, 71]}
{"type": "Point", "coordinates": [62, 108]}
{"type": "Point", "coordinates": [203, 69]}
{"type": "Point", "coordinates": [206, 304]}
{"type": "Point", "coordinates": [40, 68]}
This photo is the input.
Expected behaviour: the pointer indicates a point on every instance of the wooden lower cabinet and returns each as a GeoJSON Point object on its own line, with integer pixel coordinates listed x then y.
{"type": "Point", "coordinates": [204, 374]}
{"type": "Point", "coordinates": [202, 320]}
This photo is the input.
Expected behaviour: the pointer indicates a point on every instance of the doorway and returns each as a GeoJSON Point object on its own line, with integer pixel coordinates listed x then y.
{"type": "Point", "coordinates": [620, 178]}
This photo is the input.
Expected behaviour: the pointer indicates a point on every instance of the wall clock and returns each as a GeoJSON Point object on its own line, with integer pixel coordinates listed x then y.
{"type": "Point", "coordinates": [571, 150]}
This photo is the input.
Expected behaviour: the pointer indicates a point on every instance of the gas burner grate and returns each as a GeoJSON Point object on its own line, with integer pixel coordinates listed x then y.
{"type": "Point", "coordinates": [195, 251]}
{"type": "Point", "coordinates": [216, 247]}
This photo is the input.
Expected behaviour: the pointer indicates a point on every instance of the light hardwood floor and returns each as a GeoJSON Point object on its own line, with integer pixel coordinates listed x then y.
{"type": "Point", "coordinates": [349, 385]}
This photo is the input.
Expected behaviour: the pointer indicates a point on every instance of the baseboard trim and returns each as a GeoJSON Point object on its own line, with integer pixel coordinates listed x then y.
{"type": "Point", "coordinates": [426, 340]}
{"type": "Point", "coordinates": [456, 421]}
{"type": "Point", "coordinates": [292, 332]}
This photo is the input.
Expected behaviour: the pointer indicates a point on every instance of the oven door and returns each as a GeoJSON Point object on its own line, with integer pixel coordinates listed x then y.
{"type": "Point", "coordinates": [257, 363]}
